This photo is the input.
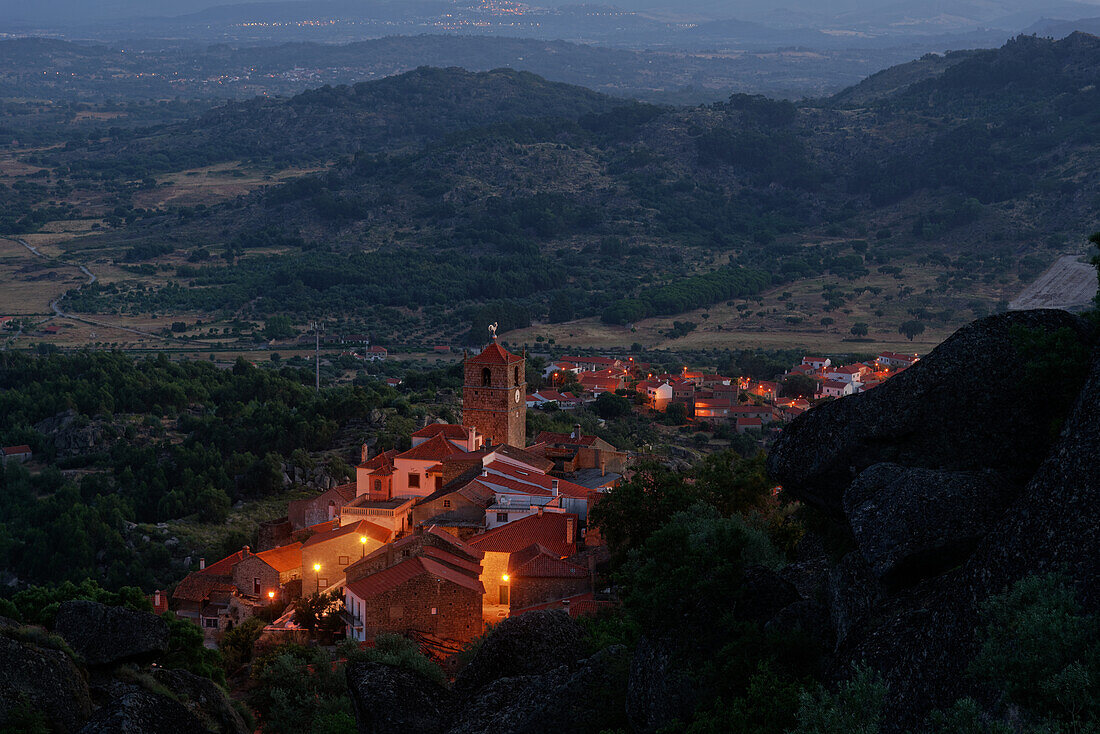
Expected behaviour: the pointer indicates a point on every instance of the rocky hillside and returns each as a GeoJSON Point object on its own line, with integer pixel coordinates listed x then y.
{"type": "Point", "coordinates": [98, 672]}
{"type": "Point", "coordinates": [974, 469]}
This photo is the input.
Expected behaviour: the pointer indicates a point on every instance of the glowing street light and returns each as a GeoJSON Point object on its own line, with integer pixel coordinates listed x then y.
{"type": "Point", "coordinates": [504, 578]}
{"type": "Point", "coordinates": [316, 572]}
{"type": "Point", "coordinates": [363, 545]}
{"type": "Point", "coordinates": [271, 596]}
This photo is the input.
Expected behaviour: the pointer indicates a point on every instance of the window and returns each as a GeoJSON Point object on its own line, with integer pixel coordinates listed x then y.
{"type": "Point", "coordinates": [377, 485]}
{"type": "Point", "coordinates": [344, 560]}
{"type": "Point", "coordinates": [256, 586]}
{"type": "Point", "coordinates": [322, 583]}
{"type": "Point", "coordinates": [486, 377]}
{"type": "Point", "coordinates": [210, 622]}
{"type": "Point", "coordinates": [405, 553]}
{"type": "Point", "coordinates": [503, 594]}
{"type": "Point", "coordinates": [433, 610]}
{"type": "Point", "coordinates": [446, 503]}
{"type": "Point", "coordinates": [502, 517]}
{"type": "Point", "coordinates": [414, 480]}
{"type": "Point", "coordinates": [517, 375]}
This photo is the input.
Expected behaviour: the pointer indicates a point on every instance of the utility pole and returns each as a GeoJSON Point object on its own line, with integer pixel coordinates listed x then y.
{"type": "Point", "coordinates": [317, 329]}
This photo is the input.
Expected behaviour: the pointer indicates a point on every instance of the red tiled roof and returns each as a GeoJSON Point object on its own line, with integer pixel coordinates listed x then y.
{"type": "Point", "coordinates": [564, 438]}
{"type": "Point", "coordinates": [434, 449]}
{"type": "Point", "coordinates": [539, 480]}
{"type": "Point", "coordinates": [20, 449]}
{"type": "Point", "coordinates": [449, 430]}
{"type": "Point", "coordinates": [198, 586]}
{"type": "Point", "coordinates": [749, 422]}
{"type": "Point", "coordinates": [477, 493]}
{"type": "Point", "coordinates": [539, 463]}
{"type": "Point", "coordinates": [430, 551]}
{"type": "Point", "coordinates": [379, 461]}
{"type": "Point", "coordinates": [835, 384]}
{"type": "Point", "coordinates": [224, 567]}
{"type": "Point", "coordinates": [283, 559]}
{"type": "Point", "coordinates": [547, 529]}
{"type": "Point", "coordinates": [394, 576]}
{"type": "Point", "coordinates": [363, 527]}
{"type": "Point", "coordinates": [346, 491]}
{"type": "Point", "coordinates": [852, 369]}
{"type": "Point", "coordinates": [495, 354]}
{"type": "Point", "coordinates": [535, 561]}
{"type": "Point", "coordinates": [324, 527]}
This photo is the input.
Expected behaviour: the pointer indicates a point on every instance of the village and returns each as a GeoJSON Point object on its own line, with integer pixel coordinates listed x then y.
{"type": "Point", "coordinates": [477, 522]}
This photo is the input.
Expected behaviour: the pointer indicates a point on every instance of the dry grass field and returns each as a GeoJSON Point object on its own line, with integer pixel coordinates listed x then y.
{"type": "Point", "coordinates": [212, 184]}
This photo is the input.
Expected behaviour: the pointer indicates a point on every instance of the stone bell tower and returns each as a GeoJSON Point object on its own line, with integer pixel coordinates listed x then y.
{"type": "Point", "coordinates": [494, 394]}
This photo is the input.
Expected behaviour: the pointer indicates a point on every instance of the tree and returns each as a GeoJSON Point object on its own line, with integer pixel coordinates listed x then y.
{"type": "Point", "coordinates": [798, 386]}
{"type": "Point", "coordinates": [279, 327]}
{"type": "Point", "coordinates": [610, 405]}
{"type": "Point", "coordinates": [319, 613]}
{"type": "Point", "coordinates": [827, 321]}
{"type": "Point", "coordinates": [859, 329]}
{"type": "Point", "coordinates": [561, 308]}
{"type": "Point", "coordinates": [911, 329]}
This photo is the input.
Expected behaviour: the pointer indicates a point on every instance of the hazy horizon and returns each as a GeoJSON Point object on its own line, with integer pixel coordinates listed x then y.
{"type": "Point", "coordinates": [72, 11]}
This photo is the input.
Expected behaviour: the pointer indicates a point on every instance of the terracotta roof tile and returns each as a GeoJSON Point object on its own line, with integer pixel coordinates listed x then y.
{"type": "Point", "coordinates": [392, 577]}
{"type": "Point", "coordinates": [363, 527]}
{"type": "Point", "coordinates": [548, 529]}
{"type": "Point", "coordinates": [449, 430]}
{"type": "Point", "coordinates": [434, 449]}
{"type": "Point", "coordinates": [224, 567]}
{"type": "Point", "coordinates": [494, 354]}
{"type": "Point", "coordinates": [283, 559]}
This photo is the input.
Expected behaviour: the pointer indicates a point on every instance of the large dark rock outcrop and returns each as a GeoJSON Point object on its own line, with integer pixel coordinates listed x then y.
{"type": "Point", "coordinates": [529, 644]}
{"type": "Point", "coordinates": [922, 639]}
{"type": "Point", "coordinates": [391, 699]}
{"type": "Point", "coordinates": [103, 635]}
{"type": "Point", "coordinates": [912, 523]}
{"type": "Point", "coordinates": [142, 712]}
{"type": "Point", "coordinates": [659, 692]}
{"type": "Point", "coordinates": [203, 698]}
{"type": "Point", "coordinates": [43, 680]}
{"type": "Point", "coordinates": [963, 407]}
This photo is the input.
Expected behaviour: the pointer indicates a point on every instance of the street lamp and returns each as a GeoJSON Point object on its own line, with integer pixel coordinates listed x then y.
{"type": "Point", "coordinates": [316, 571]}
{"type": "Point", "coordinates": [363, 545]}
{"type": "Point", "coordinates": [271, 597]}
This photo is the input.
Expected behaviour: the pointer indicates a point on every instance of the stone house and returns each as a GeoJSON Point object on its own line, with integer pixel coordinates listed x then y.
{"type": "Point", "coordinates": [325, 506]}
{"type": "Point", "coordinates": [263, 575]}
{"type": "Point", "coordinates": [537, 576]}
{"type": "Point", "coordinates": [419, 594]}
{"type": "Point", "coordinates": [555, 533]}
{"type": "Point", "coordinates": [326, 555]}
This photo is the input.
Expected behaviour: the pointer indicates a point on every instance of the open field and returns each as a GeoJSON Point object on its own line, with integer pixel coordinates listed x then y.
{"type": "Point", "coordinates": [29, 283]}
{"type": "Point", "coordinates": [789, 317]}
{"type": "Point", "coordinates": [1069, 283]}
{"type": "Point", "coordinates": [212, 184]}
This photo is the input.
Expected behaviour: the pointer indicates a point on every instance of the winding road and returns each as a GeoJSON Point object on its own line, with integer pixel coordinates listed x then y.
{"type": "Point", "coordinates": [55, 303]}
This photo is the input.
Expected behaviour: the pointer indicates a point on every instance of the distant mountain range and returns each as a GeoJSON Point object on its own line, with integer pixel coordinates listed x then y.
{"type": "Point", "coordinates": [637, 23]}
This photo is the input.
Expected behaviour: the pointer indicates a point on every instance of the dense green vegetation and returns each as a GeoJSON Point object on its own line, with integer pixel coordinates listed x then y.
{"type": "Point", "coordinates": [171, 440]}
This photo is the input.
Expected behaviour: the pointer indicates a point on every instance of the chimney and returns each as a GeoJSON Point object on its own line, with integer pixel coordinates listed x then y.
{"type": "Point", "coordinates": [156, 598]}
{"type": "Point", "coordinates": [576, 430]}
{"type": "Point", "coordinates": [418, 530]}
{"type": "Point", "coordinates": [202, 563]}
{"type": "Point", "coordinates": [539, 510]}
{"type": "Point", "coordinates": [484, 472]}
{"type": "Point", "coordinates": [245, 551]}
{"type": "Point", "coordinates": [570, 529]}
{"type": "Point", "coordinates": [554, 487]}
{"type": "Point", "coordinates": [470, 432]}
{"type": "Point", "coordinates": [364, 454]}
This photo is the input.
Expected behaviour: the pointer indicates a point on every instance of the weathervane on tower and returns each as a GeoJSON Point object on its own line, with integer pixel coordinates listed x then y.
{"type": "Point", "coordinates": [493, 331]}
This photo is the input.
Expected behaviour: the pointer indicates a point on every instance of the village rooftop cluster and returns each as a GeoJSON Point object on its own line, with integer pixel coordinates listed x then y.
{"type": "Point", "coordinates": [472, 523]}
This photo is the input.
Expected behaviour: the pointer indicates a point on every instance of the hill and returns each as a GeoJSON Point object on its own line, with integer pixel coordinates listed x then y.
{"type": "Point", "coordinates": [932, 192]}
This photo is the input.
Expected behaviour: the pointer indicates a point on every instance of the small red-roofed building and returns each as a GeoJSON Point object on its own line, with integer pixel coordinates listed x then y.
{"type": "Point", "coordinates": [537, 576]}
{"type": "Point", "coordinates": [596, 383]}
{"type": "Point", "coordinates": [749, 424]}
{"type": "Point", "coordinates": [256, 574]}
{"type": "Point", "coordinates": [159, 600]}
{"type": "Point", "coordinates": [18, 454]}
{"type": "Point", "coordinates": [465, 438]}
{"type": "Point", "coordinates": [836, 389]}
{"type": "Point", "coordinates": [658, 393]}
{"type": "Point", "coordinates": [560, 370]}
{"type": "Point", "coordinates": [817, 363]}
{"type": "Point", "coordinates": [557, 533]}
{"type": "Point", "coordinates": [375, 353]}
{"type": "Point", "coordinates": [335, 549]}
{"type": "Point", "coordinates": [853, 373]}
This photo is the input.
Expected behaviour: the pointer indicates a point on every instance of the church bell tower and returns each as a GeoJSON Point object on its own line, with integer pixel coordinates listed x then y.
{"type": "Point", "coordinates": [494, 395]}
